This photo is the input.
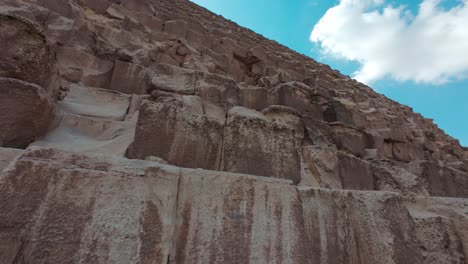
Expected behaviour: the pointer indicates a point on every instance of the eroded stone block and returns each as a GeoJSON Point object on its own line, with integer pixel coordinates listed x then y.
{"type": "Point", "coordinates": [177, 131]}
{"type": "Point", "coordinates": [26, 54]}
{"type": "Point", "coordinates": [265, 145]}
{"type": "Point", "coordinates": [27, 112]}
{"type": "Point", "coordinates": [59, 207]}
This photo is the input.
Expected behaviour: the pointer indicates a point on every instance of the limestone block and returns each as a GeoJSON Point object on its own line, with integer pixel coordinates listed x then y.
{"type": "Point", "coordinates": [217, 89]}
{"type": "Point", "coordinates": [296, 95]}
{"type": "Point", "coordinates": [177, 131]}
{"type": "Point", "coordinates": [358, 227]}
{"type": "Point", "coordinates": [355, 174]}
{"type": "Point", "coordinates": [444, 181]}
{"type": "Point", "coordinates": [349, 139]}
{"type": "Point", "coordinates": [254, 97]}
{"type": "Point", "coordinates": [27, 112]}
{"type": "Point", "coordinates": [26, 54]}
{"type": "Point", "coordinates": [173, 79]}
{"type": "Point", "coordinates": [256, 54]}
{"type": "Point", "coordinates": [80, 67]}
{"type": "Point", "coordinates": [176, 27]}
{"type": "Point", "coordinates": [265, 145]}
{"type": "Point", "coordinates": [77, 133]}
{"type": "Point", "coordinates": [229, 47]}
{"type": "Point", "coordinates": [198, 39]}
{"type": "Point", "coordinates": [405, 151]}
{"type": "Point", "coordinates": [335, 111]}
{"type": "Point", "coordinates": [130, 78]}
{"type": "Point", "coordinates": [441, 226]}
{"type": "Point", "coordinates": [59, 207]}
{"type": "Point", "coordinates": [96, 102]}
{"type": "Point", "coordinates": [228, 218]}
{"type": "Point", "coordinates": [439, 241]}
{"type": "Point", "coordinates": [7, 155]}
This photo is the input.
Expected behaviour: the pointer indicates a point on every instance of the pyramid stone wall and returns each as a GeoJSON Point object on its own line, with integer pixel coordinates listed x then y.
{"type": "Point", "coordinates": [154, 131]}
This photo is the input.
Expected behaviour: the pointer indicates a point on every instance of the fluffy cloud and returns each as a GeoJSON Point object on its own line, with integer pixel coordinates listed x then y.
{"type": "Point", "coordinates": [430, 46]}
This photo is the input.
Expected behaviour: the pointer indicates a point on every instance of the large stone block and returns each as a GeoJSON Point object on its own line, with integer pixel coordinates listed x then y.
{"type": "Point", "coordinates": [358, 227]}
{"type": "Point", "coordinates": [229, 218]}
{"type": "Point", "coordinates": [130, 78]}
{"type": "Point", "coordinates": [349, 139]}
{"type": "Point", "coordinates": [336, 111]}
{"type": "Point", "coordinates": [263, 144]}
{"type": "Point", "coordinates": [7, 155]}
{"type": "Point", "coordinates": [176, 27]}
{"type": "Point", "coordinates": [441, 226]}
{"type": "Point", "coordinates": [355, 174]}
{"type": "Point", "coordinates": [439, 241]}
{"type": "Point", "coordinates": [217, 89]}
{"type": "Point", "coordinates": [173, 79]}
{"type": "Point", "coordinates": [27, 112]}
{"type": "Point", "coordinates": [444, 181]}
{"type": "Point", "coordinates": [77, 133]}
{"type": "Point", "coordinates": [80, 67]}
{"type": "Point", "coordinates": [178, 131]}
{"type": "Point", "coordinates": [296, 95]}
{"type": "Point", "coordinates": [254, 97]}
{"type": "Point", "coordinates": [405, 151]}
{"type": "Point", "coordinates": [26, 54]}
{"type": "Point", "coordinates": [96, 102]}
{"type": "Point", "coordinates": [59, 207]}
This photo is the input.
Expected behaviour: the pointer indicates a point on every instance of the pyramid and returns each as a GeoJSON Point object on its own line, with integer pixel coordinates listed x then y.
{"type": "Point", "coordinates": [154, 131]}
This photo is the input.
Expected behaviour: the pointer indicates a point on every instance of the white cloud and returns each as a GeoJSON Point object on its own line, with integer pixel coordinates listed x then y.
{"type": "Point", "coordinates": [430, 46]}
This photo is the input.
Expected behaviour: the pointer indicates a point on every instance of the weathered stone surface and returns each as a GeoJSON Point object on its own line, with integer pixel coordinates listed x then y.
{"type": "Point", "coordinates": [355, 174]}
{"type": "Point", "coordinates": [349, 139]}
{"type": "Point", "coordinates": [27, 112]}
{"type": "Point", "coordinates": [173, 79]}
{"type": "Point", "coordinates": [254, 97]}
{"type": "Point", "coordinates": [59, 207]}
{"type": "Point", "coordinates": [130, 78]}
{"type": "Point", "coordinates": [95, 102]}
{"type": "Point", "coordinates": [265, 145]}
{"type": "Point", "coordinates": [441, 226]}
{"type": "Point", "coordinates": [335, 111]}
{"type": "Point", "coordinates": [358, 227]}
{"type": "Point", "coordinates": [229, 218]}
{"type": "Point", "coordinates": [444, 181]}
{"type": "Point", "coordinates": [439, 241]}
{"type": "Point", "coordinates": [26, 54]}
{"type": "Point", "coordinates": [217, 89]}
{"type": "Point", "coordinates": [77, 133]}
{"type": "Point", "coordinates": [215, 96]}
{"type": "Point", "coordinates": [176, 130]}
{"type": "Point", "coordinates": [7, 155]}
{"type": "Point", "coordinates": [80, 67]}
{"type": "Point", "coordinates": [296, 95]}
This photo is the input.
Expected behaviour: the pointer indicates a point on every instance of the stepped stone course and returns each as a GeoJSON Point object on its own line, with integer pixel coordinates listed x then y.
{"type": "Point", "coordinates": [153, 131]}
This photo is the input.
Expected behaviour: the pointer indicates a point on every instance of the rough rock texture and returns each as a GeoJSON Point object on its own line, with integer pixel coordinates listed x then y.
{"type": "Point", "coordinates": [330, 171]}
{"type": "Point", "coordinates": [26, 113]}
{"type": "Point", "coordinates": [26, 53]}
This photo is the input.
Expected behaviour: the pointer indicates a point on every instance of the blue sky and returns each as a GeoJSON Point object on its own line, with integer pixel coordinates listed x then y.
{"type": "Point", "coordinates": [414, 52]}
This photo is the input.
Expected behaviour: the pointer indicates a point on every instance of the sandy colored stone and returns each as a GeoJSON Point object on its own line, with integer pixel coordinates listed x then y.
{"type": "Point", "coordinates": [26, 54]}
{"type": "Point", "coordinates": [207, 94]}
{"type": "Point", "coordinates": [59, 207]}
{"type": "Point", "coordinates": [262, 145]}
{"type": "Point", "coordinates": [96, 102]}
{"type": "Point", "coordinates": [7, 155]}
{"type": "Point", "coordinates": [80, 67]}
{"type": "Point", "coordinates": [78, 133]}
{"type": "Point", "coordinates": [358, 227]}
{"type": "Point", "coordinates": [27, 112]}
{"type": "Point", "coordinates": [173, 79]}
{"type": "Point", "coordinates": [178, 131]}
